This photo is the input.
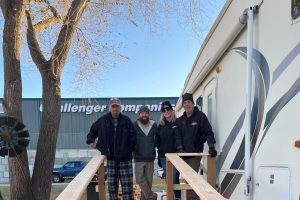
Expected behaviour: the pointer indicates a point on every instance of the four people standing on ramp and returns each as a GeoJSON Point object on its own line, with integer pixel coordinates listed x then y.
{"type": "Point", "coordinates": [119, 138]}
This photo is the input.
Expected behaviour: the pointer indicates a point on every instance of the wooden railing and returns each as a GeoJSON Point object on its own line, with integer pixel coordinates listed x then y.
{"type": "Point", "coordinates": [78, 185]}
{"type": "Point", "coordinates": [204, 189]}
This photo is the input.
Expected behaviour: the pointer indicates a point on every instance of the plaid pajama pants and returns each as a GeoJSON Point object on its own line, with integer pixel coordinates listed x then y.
{"type": "Point", "coordinates": [120, 170]}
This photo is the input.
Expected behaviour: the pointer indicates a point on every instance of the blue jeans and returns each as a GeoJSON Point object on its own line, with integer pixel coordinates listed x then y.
{"type": "Point", "coordinates": [175, 176]}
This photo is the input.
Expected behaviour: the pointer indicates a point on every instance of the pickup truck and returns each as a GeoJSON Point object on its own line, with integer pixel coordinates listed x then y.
{"type": "Point", "coordinates": [67, 171]}
{"type": "Point", "coordinates": [70, 170]}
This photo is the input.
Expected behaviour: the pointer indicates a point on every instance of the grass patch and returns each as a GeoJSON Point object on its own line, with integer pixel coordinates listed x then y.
{"type": "Point", "coordinates": [55, 191]}
{"type": "Point", "coordinates": [4, 192]}
{"type": "Point", "coordinates": [58, 188]}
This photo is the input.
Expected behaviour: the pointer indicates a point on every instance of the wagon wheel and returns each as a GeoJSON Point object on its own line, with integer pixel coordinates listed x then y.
{"type": "Point", "coordinates": [13, 137]}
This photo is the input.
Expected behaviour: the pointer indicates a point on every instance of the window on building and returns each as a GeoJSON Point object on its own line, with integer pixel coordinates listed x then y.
{"type": "Point", "coordinates": [295, 9]}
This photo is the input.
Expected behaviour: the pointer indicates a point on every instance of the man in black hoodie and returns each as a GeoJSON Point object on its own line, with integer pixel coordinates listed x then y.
{"type": "Point", "coordinates": [144, 153]}
{"type": "Point", "coordinates": [195, 130]}
{"type": "Point", "coordinates": [116, 140]}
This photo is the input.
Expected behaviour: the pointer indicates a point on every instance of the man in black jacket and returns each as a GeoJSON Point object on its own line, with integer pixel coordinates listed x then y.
{"type": "Point", "coordinates": [195, 130]}
{"type": "Point", "coordinates": [144, 153]}
{"type": "Point", "coordinates": [116, 140]}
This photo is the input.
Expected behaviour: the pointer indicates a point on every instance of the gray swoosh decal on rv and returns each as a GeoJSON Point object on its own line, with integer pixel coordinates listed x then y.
{"type": "Point", "coordinates": [262, 64]}
{"type": "Point", "coordinates": [261, 92]}
{"type": "Point", "coordinates": [273, 112]}
{"type": "Point", "coordinates": [262, 76]}
{"type": "Point", "coordinates": [286, 62]}
{"type": "Point", "coordinates": [256, 116]}
{"type": "Point", "coordinates": [229, 141]}
{"type": "Point", "coordinates": [280, 104]}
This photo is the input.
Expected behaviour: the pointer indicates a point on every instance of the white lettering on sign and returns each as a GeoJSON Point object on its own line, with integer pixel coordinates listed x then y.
{"type": "Point", "coordinates": [90, 109]}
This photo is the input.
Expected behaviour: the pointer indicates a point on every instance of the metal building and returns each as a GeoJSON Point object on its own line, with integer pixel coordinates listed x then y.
{"type": "Point", "coordinates": [77, 115]}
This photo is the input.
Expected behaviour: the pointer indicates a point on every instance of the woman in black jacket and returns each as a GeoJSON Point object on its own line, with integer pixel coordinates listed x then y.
{"type": "Point", "coordinates": [165, 139]}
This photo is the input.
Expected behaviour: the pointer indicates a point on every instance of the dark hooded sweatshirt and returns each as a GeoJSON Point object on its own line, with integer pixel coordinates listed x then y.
{"type": "Point", "coordinates": [194, 132]}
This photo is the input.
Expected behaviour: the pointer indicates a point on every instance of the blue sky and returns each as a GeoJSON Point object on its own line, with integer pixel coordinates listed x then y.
{"type": "Point", "coordinates": [158, 65]}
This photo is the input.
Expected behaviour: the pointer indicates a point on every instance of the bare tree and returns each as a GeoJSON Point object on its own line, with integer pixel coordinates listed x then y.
{"type": "Point", "coordinates": [54, 30]}
{"type": "Point", "coordinates": [13, 10]}
{"type": "Point", "coordinates": [51, 71]}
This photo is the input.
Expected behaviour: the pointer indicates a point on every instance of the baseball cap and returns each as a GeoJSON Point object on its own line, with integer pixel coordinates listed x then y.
{"type": "Point", "coordinates": [114, 101]}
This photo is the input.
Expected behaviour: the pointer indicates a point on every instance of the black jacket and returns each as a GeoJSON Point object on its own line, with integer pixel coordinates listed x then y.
{"type": "Point", "coordinates": [116, 145]}
{"type": "Point", "coordinates": [145, 147]}
{"type": "Point", "coordinates": [195, 131]}
{"type": "Point", "coordinates": [165, 139]}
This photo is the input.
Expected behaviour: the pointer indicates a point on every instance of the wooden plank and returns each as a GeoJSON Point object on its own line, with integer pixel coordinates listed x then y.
{"type": "Point", "coordinates": [78, 185]}
{"type": "Point", "coordinates": [188, 193]}
{"type": "Point", "coordinates": [199, 185]}
{"type": "Point", "coordinates": [169, 179]}
{"type": "Point", "coordinates": [192, 154]}
{"type": "Point", "coordinates": [101, 183]}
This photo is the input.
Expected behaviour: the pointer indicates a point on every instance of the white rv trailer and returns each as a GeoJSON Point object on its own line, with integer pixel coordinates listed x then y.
{"type": "Point", "coordinates": [218, 80]}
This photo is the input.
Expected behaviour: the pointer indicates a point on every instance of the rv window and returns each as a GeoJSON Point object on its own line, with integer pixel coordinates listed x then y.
{"type": "Point", "coordinates": [210, 107]}
{"type": "Point", "coordinates": [295, 9]}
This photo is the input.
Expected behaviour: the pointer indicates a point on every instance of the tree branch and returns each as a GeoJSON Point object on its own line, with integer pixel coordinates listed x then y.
{"type": "Point", "coordinates": [40, 26]}
{"type": "Point", "coordinates": [53, 10]}
{"type": "Point", "coordinates": [35, 50]}
{"type": "Point", "coordinates": [62, 46]}
{"type": "Point", "coordinates": [48, 22]}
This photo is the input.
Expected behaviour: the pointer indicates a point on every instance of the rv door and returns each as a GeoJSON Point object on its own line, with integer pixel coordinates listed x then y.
{"type": "Point", "coordinates": [209, 106]}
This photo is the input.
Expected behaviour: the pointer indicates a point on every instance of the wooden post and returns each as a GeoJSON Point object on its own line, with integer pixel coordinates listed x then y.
{"type": "Point", "coordinates": [211, 171]}
{"type": "Point", "coordinates": [187, 192]}
{"type": "Point", "coordinates": [101, 183]}
{"type": "Point", "coordinates": [169, 180]}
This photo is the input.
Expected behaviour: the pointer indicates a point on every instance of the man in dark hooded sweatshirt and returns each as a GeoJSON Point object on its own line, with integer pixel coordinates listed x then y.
{"type": "Point", "coordinates": [144, 153]}
{"type": "Point", "coordinates": [195, 130]}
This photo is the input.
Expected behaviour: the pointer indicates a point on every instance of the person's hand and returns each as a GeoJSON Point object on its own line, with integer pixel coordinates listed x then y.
{"type": "Point", "coordinates": [212, 151]}
{"type": "Point", "coordinates": [93, 145]}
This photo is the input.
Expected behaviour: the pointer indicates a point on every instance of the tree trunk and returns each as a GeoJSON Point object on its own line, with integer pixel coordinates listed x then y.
{"type": "Point", "coordinates": [13, 10]}
{"type": "Point", "coordinates": [45, 155]}
{"type": "Point", "coordinates": [51, 72]}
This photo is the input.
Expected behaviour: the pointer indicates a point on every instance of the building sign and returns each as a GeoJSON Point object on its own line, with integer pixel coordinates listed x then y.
{"type": "Point", "coordinates": [90, 109]}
